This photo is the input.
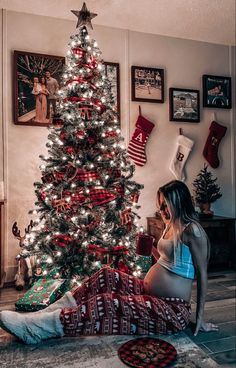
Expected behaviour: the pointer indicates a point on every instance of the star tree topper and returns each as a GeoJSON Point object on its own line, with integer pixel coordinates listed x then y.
{"type": "Point", "coordinates": [84, 17]}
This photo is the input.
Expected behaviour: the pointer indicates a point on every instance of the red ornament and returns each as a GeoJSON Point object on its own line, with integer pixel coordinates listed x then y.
{"type": "Point", "coordinates": [80, 134]}
{"type": "Point", "coordinates": [43, 195]}
{"type": "Point", "coordinates": [62, 136]}
{"type": "Point", "coordinates": [62, 240]}
{"type": "Point", "coordinates": [69, 150]}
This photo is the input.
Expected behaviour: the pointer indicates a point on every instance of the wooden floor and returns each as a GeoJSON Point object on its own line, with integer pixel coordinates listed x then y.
{"type": "Point", "coordinates": [220, 309]}
{"type": "Point", "coordinates": [207, 350]}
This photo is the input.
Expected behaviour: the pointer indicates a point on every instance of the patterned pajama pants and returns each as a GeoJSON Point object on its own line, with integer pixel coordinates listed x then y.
{"type": "Point", "coordinates": [112, 302]}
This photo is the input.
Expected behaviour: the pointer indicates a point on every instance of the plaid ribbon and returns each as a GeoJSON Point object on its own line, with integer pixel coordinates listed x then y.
{"type": "Point", "coordinates": [84, 175]}
{"type": "Point", "coordinates": [78, 51]}
{"type": "Point", "coordinates": [117, 250]}
{"type": "Point", "coordinates": [79, 80]}
{"type": "Point", "coordinates": [95, 197]}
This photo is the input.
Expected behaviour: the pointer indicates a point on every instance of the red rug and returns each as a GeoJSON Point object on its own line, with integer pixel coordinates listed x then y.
{"type": "Point", "coordinates": [147, 352]}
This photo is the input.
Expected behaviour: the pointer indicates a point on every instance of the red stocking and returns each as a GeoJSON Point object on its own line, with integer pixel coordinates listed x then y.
{"type": "Point", "coordinates": [136, 147]}
{"type": "Point", "coordinates": [210, 151]}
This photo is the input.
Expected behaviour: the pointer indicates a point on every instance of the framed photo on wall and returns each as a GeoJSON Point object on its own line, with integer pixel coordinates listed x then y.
{"type": "Point", "coordinates": [112, 72]}
{"type": "Point", "coordinates": [184, 105]}
{"type": "Point", "coordinates": [147, 84]}
{"type": "Point", "coordinates": [216, 91]}
{"type": "Point", "coordinates": [36, 84]}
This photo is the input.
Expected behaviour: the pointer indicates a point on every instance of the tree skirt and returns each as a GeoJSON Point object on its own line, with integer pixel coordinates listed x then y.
{"type": "Point", "coordinates": [147, 352]}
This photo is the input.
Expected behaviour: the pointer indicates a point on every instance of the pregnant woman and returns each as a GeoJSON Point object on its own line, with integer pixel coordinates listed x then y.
{"type": "Point", "coordinates": [112, 302]}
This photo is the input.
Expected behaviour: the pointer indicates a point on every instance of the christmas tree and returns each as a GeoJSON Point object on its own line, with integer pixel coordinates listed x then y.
{"type": "Point", "coordinates": [86, 200]}
{"type": "Point", "coordinates": [206, 189]}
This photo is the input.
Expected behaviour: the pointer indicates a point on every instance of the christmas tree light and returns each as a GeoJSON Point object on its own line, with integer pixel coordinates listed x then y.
{"type": "Point", "coordinates": [86, 199]}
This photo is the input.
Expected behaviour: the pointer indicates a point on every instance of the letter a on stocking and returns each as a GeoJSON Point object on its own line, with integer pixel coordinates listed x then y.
{"type": "Point", "coordinates": [184, 146]}
{"type": "Point", "coordinates": [137, 145]}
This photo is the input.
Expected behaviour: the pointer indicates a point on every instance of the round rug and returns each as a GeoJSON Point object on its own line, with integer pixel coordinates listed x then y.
{"type": "Point", "coordinates": [147, 352]}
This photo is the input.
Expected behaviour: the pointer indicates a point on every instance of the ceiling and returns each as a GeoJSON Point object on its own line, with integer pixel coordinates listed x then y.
{"type": "Point", "coordinates": [203, 20]}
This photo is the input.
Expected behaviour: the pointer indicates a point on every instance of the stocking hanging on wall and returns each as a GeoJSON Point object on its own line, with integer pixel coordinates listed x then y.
{"type": "Point", "coordinates": [214, 138]}
{"type": "Point", "coordinates": [137, 145]}
{"type": "Point", "coordinates": [183, 149]}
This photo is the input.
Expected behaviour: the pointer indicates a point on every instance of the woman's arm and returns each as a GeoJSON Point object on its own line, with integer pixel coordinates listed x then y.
{"type": "Point", "coordinates": [198, 244]}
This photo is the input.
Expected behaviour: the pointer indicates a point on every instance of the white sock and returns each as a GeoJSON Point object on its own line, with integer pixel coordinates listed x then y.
{"type": "Point", "coordinates": [34, 328]}
{"type": "Point", "coordinates": [184, 146]}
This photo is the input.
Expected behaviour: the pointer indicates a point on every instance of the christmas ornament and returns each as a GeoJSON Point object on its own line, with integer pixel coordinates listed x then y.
{"type": "Point", "coordinates": [48, 178]}
{"type": "Point", "coordinates": [61, 205]}
{"type": "Point", "coordinates": [126, 217]}
{"type": "Point", "coordinates": [84, 17]}
{"type": "Point", "coordinates": [210, 151]}
{"type": "Point", "coordinates": [62, 240]}
{"type": "Point", "coordinates": [137, 145]}
{"type": "Point", "coordinates": [183, 148]}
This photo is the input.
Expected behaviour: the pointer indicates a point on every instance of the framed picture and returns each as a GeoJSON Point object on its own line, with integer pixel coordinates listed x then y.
{"type": "Point", "coordinates": [147, 84]}
{"type": "Point", "coordinates": [112, 72]}
{"type": "Point", "coordinates": [184, 105]}
{"type": "Point", "coordinates": [36, 85]}
{"type": "Point", "coordinates": [216, 91]}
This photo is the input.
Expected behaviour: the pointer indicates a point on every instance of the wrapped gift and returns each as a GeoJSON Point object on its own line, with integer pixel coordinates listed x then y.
{"type": "Point", "coordinates": [41, 294]}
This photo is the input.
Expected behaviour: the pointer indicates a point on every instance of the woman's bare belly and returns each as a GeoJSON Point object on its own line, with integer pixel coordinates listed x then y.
{"type": "Point", "coordinates": [163, 283]}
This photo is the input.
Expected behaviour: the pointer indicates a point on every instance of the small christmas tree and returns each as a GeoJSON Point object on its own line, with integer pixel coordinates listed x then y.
{"type": "Point", "coordinates": [206, 190]}
{"type": "Point", "coordinates": [86, 200]}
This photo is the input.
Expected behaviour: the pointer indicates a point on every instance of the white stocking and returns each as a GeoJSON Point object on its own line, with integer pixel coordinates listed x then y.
{"type": "Point", "coordinates": [184, 146]}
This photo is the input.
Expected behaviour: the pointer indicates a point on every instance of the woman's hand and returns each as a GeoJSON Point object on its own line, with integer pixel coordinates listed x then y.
{"type": "Point", "coordinates": [205, 327]}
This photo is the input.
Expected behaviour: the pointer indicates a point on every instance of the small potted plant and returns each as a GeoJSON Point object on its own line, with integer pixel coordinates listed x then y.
{"type": "Point", "coordinates": [206, 191]}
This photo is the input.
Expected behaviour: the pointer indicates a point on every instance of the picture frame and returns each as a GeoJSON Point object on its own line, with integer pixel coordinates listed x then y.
{"type": "Point", "coordinates": [112, 72]}
{"type": "Point", "coordinates": [34, 105]}
{"type": "Point", "coordinates": [184, 105]}
{"type": "Point", "coordinates": [147, 84]}
{"type": "Point", "coordinates": [216, 91]}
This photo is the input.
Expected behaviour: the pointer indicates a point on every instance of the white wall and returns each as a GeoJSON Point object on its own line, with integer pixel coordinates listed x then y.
{"type": "Point", "coordinates": [184, 62]}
